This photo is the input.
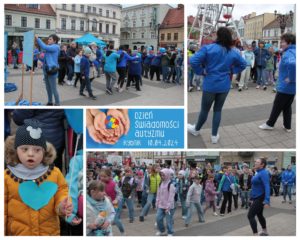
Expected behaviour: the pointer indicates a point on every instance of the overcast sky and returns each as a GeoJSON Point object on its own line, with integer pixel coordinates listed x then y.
{"type": "Point", "coordinates": [244, 9]}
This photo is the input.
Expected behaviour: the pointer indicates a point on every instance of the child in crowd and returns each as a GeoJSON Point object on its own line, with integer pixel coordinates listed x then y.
{"type": "Point", "coordinates": [210, 194]}
{"type": "Point", "coordinates": [140, 185]}
{"type": "Point", "coordinates": [36, 192]}
{"type": "Point", "coordinates": [99, 211]}
{"type": "Point", "coordinates": [77, 67]}
{"type": "Point", "coordinates": [182, 189]}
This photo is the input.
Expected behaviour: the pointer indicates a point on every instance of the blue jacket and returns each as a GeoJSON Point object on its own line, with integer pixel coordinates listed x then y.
{"type": "Point", "coordinates": [261, 185]}
{"type": "Point", "coordinates": [218, 63]}
{"type": "Point", "coordinates": [156, 61]}
{"type": "Point", "coordinates": [288, 177]}
{"type": "Point", "coordinates": [124, 57]}
{"type": "Point", "coordinates": [85, 67]}
{"type": "Point", "coordinates": [135, 66]}
{"type": "Point", "coordinates": [225, 183]}
{"type": "Point", "coordinates": [36, 52]}
{"type": "Point", "coordinates": [148, 59]}
{"type": "Point", "coordinates": [51, 53]}
{"type": "Point", "coordinates": [261, 56]}
{"type": "Point", "coordinates": [110, 65]}
{"type": "Point", "coordinates": [287, 69]}
{"type": "Point", "coordinates": [52, 123]}
{"type": "Point", "coordinates": [77, 61]}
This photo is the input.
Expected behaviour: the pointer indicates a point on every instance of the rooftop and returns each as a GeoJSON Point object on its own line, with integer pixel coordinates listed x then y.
{"type": "Point", "coordinates": [43, 9]}
{"type": "Point", "coordinates": [174, 18]}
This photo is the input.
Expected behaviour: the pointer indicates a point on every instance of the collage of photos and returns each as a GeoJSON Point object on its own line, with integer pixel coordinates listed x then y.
{"type": "Point", "coordinates": [149, 120]}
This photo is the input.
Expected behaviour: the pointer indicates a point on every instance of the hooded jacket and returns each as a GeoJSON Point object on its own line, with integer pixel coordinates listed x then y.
{"type": "Point", "coordinates": [165, 196]}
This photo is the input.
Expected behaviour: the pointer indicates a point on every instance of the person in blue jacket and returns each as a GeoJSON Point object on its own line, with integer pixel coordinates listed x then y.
{"type": "Point", "coordinates": [50, 66]}
{"type": "Point", "coordinates": [147, 62]}
{"type": "Point", "coordinates": [110, 68]}
{"type": "Point", "coordinates": [286, 85]}
{"type": "Point", "coordinates": [219, 60]}
{"type": "Point", "coordinates": [260, 196]}
{"type": "Point", "coordinates": [121, 67]}
{"type": "Point", "coordinates": [261, 57]}
{"type": "Point", "coordinates": [155, 65]}
{"type": "Point", "coordinates": [288, 179]}
{"type": "Point", "coordinates": [85, 74]}
{"type": "Point", "coordinates": [134, 70]}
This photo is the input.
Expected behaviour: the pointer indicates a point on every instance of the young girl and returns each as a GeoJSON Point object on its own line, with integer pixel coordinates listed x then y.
{"type": "Point", "coordinates": [77, 67]}
{"type": "Point", "coordinates": [210, 194]}
{"type": "Point", "coordinates": [165, 203]}
{"type": "Point", "coordinates": [99, 211]}
{"type": "Point", "coordinates": [193, 199]}
{"type": "Point", "coordinates": [114, 193]}
{"type": "Point", "coordinates": [36, 192]}
{"type": "Point", "coordinates": [182, 189]}
{"type": "Point", "coordinates": [139, 188]}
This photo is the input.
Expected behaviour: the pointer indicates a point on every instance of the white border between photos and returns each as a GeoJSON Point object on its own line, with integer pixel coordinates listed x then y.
{"type": "Point", "coordinates": [138, 107]}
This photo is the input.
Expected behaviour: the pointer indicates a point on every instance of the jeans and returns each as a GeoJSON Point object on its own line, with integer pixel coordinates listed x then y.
{"type": "Point", "coordinates": [261, 76]}
{"type": "Point", "coordinates": [165, 73]}
{"type": "Point", "coordinates": [15, 61]}
{"type": "Point", "coordinates": [183, 205]}
{"type": "Point", "coordinates": [245, 199]}
{"type": "Point", "coordinates": [200, 212]}
{"type": "Point", "coordinates": [111, 79]}
{"type": "Point", "coordinates": [256, 209]}
{"type": "Point", "coordinates": [287, 190]}
{"type": "Point", "coordinates": [282, 103]}
{"type": "Point", "coordinates": [129, 203]}
{"type": "Point", "coordinates": [117, 218]}
{"type": "Point", "coordinates": [178, 74]}
{"type": "Point", "coordinates": [161, 213]}
{"type": "Point", "coordinates": [190, 77]}
{"type": "Point", "coordinates": [147, 207]}
{"type": "Point", "coordinates": [172, 73]}
{"type": "Point", "coordinates": [70, 71]}
{"type": "Point", "coordinates": [245, 76]}
{"type": "Point", "coordinates": [207, 100]}
{"type": "Point", "coordinates": [86, 83]}
{"type": "Point", "coordinates": [144, 198]}
{"type": "Point", "coordinates": [50, 81]}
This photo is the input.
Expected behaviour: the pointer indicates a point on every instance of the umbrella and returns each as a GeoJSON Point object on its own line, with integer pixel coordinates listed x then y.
{"type": "Point", "coordinates": [88, 39]}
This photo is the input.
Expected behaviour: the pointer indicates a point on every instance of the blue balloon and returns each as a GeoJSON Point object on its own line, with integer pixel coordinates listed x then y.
{"type": "Point", "coordinates": [75, 119]}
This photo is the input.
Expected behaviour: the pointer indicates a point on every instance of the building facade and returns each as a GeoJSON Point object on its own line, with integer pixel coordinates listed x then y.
{"type": "Point", "coordinates": [254, 25]}
{"type": "Point", "coordinates": [20, 18]}
{"type": "Point", "coordinates": [170, 158]}
{"type": "Point", "coordinates": [140, 25]}
{"type": "Point", "coordinates": [101, 20]}
{"type": "Point", "coordinates": [171, 31]}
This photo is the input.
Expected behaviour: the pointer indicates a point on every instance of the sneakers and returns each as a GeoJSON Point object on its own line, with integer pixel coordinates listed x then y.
{"type": "Point", "coordinates": [121, 90]}
{"type": "Point", "coordinates": [190, 89]}
{"type": "Point", "coordinates": [266, 127]}
{"type": "Point", "coordinates": [160, 234]}
{"type": "Point", "coordinates": [93, 97]}
{"type": "Point", "coordinates": [170, 235]}
{"type": "Point", "coordinates": [82, 94]}
{"type": "Point", "coordinates": [109, 92]}
{"type": "Point", "coordinates": [262, 233]}
{"type": "Point", "coordinates": [191, 129]}
{"type": "Point", "coordinates": [198, 88]}
{"type": "Point", "coordinates": [215, 214]}
{"type": "Point", "coordinates": [215, 139]}
{"type": "Point", "coordinates": [141, 219]}
{"type": "Point", "coordinates": [222, 214]}
{"type": "Point", "coordinates": [286, 129]}
{"type": "Point", "coordinates": [257, 87]}
{"type": "Point", "coordinates": [265, 88]}
{"type": "Point", "coordinates": [69, 83]}
{"type": "Point", "coordinates": [290, 202]}
{"type": "Point", "coordinates": [240, 89]}
{"type": "Point", "coordinates": [183, 217]}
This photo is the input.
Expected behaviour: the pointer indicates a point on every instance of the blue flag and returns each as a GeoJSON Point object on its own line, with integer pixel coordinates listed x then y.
{"type": "Point", "coordinates": [28, 44]}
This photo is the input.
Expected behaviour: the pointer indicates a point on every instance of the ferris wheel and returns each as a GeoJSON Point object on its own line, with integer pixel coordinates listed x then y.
{"type": "Point", "coordinates": [208, 19]}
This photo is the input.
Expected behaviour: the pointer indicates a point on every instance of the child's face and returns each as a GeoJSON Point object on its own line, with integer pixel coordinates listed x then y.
{"type": "Point", "coordinates": [80, 53]}
{"type": "Point", "coordinates": [197, 181]}
{"type": "Point", "coordinates": [162, 176]}
{"type": "Point", "coordinates": [30, 156]}
{"type": "Point", "coordinates": [97, 195]}
{"type": "Point", "coordinates": [104, 178]}
{"type": "Point", "coordinates": [180, 176]}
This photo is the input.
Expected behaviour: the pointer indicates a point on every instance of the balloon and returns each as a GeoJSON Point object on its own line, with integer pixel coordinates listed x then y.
{"type": "Point", "coordinates": [75, 119]}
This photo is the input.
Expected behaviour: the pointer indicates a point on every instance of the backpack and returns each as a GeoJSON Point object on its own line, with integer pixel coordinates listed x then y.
{"type": "Point", "coordinates": [127, 187]}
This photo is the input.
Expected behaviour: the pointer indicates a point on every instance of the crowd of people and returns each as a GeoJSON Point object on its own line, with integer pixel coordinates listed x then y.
{"type": "Point", "coordinates": [218, 66]}
{"type": "Point", "coordinates": [165, 188]}
{"type": "Point", "coordinates": [73, 64]}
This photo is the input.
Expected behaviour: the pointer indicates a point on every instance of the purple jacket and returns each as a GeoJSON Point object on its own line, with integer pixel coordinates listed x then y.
{"type": "Point", "coordinates": [165, 197]}
{"type": "Point", "coordinates": [210, 191]}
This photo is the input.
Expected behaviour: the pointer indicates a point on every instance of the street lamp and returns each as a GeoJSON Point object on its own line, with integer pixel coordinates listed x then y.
{"type": "Point", "coordinates": [283, 18]}
{"type": "Point", "coordinates": [158, 25]}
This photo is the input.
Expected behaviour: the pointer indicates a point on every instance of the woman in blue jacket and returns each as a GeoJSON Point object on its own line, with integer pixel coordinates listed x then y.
{"type": "Point", "coordinates": [219, 60]}
{"type": "Point", "coordinates": [50, 67]}
{"type": "Point", "coordinates": [260, 196]}
{"type": "Point", "coordinates": [288, 179]}
{"type": "Point", "coordinates": [286, 85]}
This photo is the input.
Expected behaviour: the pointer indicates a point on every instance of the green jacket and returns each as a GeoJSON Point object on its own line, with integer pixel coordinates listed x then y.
{"type": "Point", "coordinates": [154, 183]}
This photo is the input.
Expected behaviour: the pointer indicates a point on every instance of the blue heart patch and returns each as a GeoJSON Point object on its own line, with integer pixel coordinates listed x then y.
{"type": "Point", "coordinates": [37, 196]}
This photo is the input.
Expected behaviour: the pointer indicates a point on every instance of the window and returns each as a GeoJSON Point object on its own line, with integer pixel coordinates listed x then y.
{"type": "Point", "coordinates": [133, 35]}
{"type": "Point", "coordinates": [133, 23]}
{"type": "Point", "coordinates": [107, 13]}
{"type": "Point", "coordinates": [162, 37]}
{"type": "Point", "coordinates": [142, 35]}
{"type": "Point", "coordinates": [23, 21]}
{"type": "Point", "coordinates": [100, 27]}
{"type": "Point", "coordinates": [64, 6]}
{"type": "Point", "coordinates": [82, 25]}
{"type": "Point", "coordinates": [89, 9]}
{"type": "Point", "coordinates": [143, 23]}
{"type": "Point", "coordinates": [107, 28]}
{"type": "Point", "coordinates": [82, 8]}
{"type": "Point", "coordinates": [94, 25]}
{"type": "Point", "coordinates": [37, 23]}
{"type": "Point", "coordinates": [114, 29]}
{"type": "Point", "coordinates": [169, 36]}
{"type": "Point", "coordinates": [48, 24]}
{"type": "Point", "coordinates": [8, 20]}
{"type": "Point", "coordinates": [153, 35]}
{"type": "Point", "coordinates": [63, 24]}
{"type": "Point", "coordinates": [74, 7]}
{"type": "Point", "coordinates": [268, 33]}
{"type": "Point", "coordinates": [94, 10]}
{"type": "Point", "coordinates": [100, 12]}
{"type": "Point", "coordinates": [34, 6]}
{"type": "Point", "coordinates": [175, 36]}
{"type": "Point", "coordinates": [114, 15]}
{"type": "Point", "coordinates": [275, 33]}
{"type": "Point", "coordinates": [73, 24]}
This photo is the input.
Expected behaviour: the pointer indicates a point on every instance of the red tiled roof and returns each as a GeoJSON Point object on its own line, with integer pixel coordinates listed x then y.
{"type": "Point", "coordinates": [44, 9]}
{"type": "Point", "coordinates": [174, 18]}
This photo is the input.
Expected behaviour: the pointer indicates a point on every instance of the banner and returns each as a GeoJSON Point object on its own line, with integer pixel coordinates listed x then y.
{"type": "Point", "coordinates": [28, 47]}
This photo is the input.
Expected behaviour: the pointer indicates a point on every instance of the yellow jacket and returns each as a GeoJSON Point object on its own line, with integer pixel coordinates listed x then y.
{"type": "Point", "coordinates": [21, 220]}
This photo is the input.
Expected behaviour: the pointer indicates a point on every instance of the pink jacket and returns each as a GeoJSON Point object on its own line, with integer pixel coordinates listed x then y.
{"type": "Point", "coordinates": [210, 191]}
{"type": "Point", "coordinates": [165, 197]}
